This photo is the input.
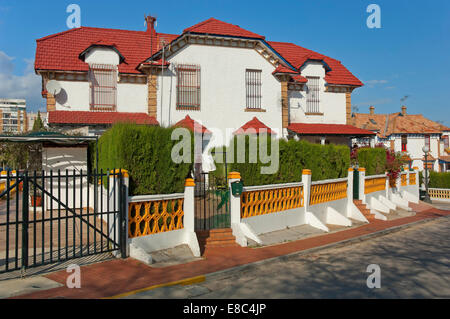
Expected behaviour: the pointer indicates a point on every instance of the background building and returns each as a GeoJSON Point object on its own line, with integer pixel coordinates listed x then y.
{"type": "Point", "coordinates": [31, 117]}
{"type": "Point", "coordinates": [13, 116]}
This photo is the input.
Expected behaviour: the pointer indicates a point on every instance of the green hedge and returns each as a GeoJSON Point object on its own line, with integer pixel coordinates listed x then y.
{"type": "Point", "coordinates": [373, 160]}
{"type": "Point", "coordinates": [145, 151]}
{"type": "Point", "coordinates": [325, 162]}
{"type": "Point", "coordinates": [439, 180]}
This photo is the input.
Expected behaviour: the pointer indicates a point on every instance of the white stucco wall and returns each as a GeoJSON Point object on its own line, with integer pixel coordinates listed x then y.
{"type": "Point", "coordinates": [223, 91]}
{"type": "Point", "coordinates": [102, 55]}
{"type": "Point", "coordinates": [332, 105]}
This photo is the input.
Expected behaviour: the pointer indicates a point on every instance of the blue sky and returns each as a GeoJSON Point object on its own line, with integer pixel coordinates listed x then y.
{"type": "Point", "coordinates": [408, 56]}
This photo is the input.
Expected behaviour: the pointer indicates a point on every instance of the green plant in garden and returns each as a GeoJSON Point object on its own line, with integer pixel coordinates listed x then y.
{"type": "Point", "coordinates": [145, 151]}
{"type": "Point", "coordinates": [325, 162]}
{"type": "Point", "coordinates": [439, 180]}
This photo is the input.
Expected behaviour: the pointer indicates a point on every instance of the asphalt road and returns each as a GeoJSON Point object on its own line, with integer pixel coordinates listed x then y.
{"type": "Point", "coordinates": [414, 263]}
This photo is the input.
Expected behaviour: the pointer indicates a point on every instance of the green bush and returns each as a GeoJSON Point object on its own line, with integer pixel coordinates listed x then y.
{"type": "Point", "coordinates": [439, 180]}
{"type": "Point", "coordinates": [145, 151]}
{"type": "Point", "coordinates": [373, 160]}
{"type": "Point", "coordinates": [325, 162]}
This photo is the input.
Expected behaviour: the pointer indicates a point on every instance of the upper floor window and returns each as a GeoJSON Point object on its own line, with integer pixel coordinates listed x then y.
{"type": "Point", "coordinates": [446, 142]}
{"type": "Point", "coordinates": [253, 89]}
{"type": "Point", "coordinates": [103, 87]}
{"type": "Point", "coordinates": [188, 86]}
{"type": "Point", "coordinates": [313, 94]}
{"type": "Point", "coordinates": [427, 141]}
{"type": "Point", "coordinates": [404, 143]}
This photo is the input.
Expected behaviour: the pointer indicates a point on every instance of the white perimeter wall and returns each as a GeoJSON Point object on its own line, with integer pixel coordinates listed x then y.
{"type": "Point", "coordinates": [276, 221]}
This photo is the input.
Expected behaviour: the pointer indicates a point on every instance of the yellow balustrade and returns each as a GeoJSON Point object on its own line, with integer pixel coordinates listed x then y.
{"type": "Point", "coordinates": [404, 181]}
{"type": "Point", "coordinates": [261, 202]}
{"type": "Point", "coordinates": [322, 193]}
{"type": "Point", "coordinates": [374, 185]}
{"type": "Point", "coordinates": [439, 193]}
{"type": "Point", "coordinates": [152, 217]}
{"type": "Point", "coordinates": [412, 179]}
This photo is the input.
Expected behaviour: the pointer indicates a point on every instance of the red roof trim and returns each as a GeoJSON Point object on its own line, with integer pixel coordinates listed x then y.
{"type": "Point", "coordinates": [327, 129]}
{"type": "Point", "coordinates": [253, 126]}
{"type": "Point", "coordinates": [192, 125]}
{"type": "Point", "coordinates": [99, 118]}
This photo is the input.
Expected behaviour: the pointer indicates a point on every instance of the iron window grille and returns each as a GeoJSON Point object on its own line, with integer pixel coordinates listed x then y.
{"type": "Point", "coordinates": [103, 87]}
{"type": "Point", "coordinates": [313, 94]}
{"type": "Point", "coordinates": [188, 86]}
{"type": "Point", "coordinates": [404, 143]}
{"type": "Point", "coordinates": [253, 88]}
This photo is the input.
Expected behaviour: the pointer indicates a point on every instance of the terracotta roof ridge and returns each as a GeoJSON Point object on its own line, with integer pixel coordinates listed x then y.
{"type": "Point", "coordinates": [87, 28]}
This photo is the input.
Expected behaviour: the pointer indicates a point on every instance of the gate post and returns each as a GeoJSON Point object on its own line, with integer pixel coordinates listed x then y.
{"type": "Point", "coordinates": [235, 202]}
{"type": "Point", "coordinates": [118, 225]}
{"type": "Point", "coordinates": [349, 191]}
{"type": "Point", "coordinates": [25, 209]}
{"type": "Point", "coordinates": [189, 217]}
{"type": "Point", "coordinates": [362, 184]}
{"type": "Point", "coordinates": [306, 180]}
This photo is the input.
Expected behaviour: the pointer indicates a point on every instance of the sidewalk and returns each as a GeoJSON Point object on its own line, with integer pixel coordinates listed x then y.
{"type": "Point", "coordinates": [111, 278]}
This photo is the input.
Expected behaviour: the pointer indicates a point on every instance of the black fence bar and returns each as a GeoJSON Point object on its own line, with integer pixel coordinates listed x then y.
{"type": "Point", "coordinates": [48, 221]}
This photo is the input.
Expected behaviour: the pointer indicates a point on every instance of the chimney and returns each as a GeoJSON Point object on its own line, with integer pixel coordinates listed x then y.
{"type": "Point", "coordinates": [403, 110]}
{"type": "Point", "coordinates": [372, 110]}
{"type": "Point", "coordinates": [151, 25]}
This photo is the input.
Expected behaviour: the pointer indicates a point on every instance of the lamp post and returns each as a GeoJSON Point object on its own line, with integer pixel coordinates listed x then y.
{"type": "Point", "coordinates": [426, 150]}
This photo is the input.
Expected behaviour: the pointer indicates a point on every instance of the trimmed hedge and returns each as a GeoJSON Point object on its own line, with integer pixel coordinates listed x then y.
{"type": "Point", "coordinates": [145, 151]}
{"type": "Point", "coordinates": [373, 160]}
{"type": "Point", "coordinates": [439, 180]}
{"type": "Point", "coordinates": [324, 161]}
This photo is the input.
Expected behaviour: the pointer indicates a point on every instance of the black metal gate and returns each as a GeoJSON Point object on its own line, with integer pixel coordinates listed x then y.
{"type": "Point", "coordinates": [356, 184]}
{"type": "Point", "coordinates": [49, 217]}
{"type": "Point", "coordinates": [212, 202]}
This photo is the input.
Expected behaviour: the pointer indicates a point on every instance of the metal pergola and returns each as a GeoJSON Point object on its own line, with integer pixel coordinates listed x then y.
{"type": "Point", "coordinates": [52, 137]}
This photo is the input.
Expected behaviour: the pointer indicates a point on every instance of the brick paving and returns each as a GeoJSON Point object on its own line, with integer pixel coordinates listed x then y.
{"type": "Point", "coordinates": [118, 276]}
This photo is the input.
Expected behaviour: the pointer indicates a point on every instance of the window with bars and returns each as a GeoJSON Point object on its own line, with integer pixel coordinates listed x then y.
{"type": "Point", "coordinates": [188, 86]}
{"type": "Point", "coordinates": [103, 87]}
{"type": "Point", "coordinates": [404, 143]}
{"type": "Point", "coordinates": [253, 89]}
{"type": "Point", "coordinates": [313, 94]}
{"type": "Point", "coordinates": [446, 141]}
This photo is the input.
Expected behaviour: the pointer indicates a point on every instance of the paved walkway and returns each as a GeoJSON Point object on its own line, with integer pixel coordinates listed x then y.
{"type": "Point", "coordinates": [116, 277]}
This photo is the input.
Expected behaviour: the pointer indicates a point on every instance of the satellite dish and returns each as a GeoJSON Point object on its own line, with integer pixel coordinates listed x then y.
{"type": "Point", "coordinates": [53, 87]}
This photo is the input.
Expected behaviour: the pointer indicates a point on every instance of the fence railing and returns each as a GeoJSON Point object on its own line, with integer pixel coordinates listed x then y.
{"type": "Point", "coordinates": [261, 200]}
{"type": "Point", "coordinates": [439, 193]}
{"type": "Point", "coordinates": [328, 190]}
{"type": "Point", "coordinates": [404, 179]}
{"type": "Point", "coordinates": [374, 183]}
{"type": "Point", "coordinates": [155, 214]}
{"type": "Point", "coordinates": [412, 179]}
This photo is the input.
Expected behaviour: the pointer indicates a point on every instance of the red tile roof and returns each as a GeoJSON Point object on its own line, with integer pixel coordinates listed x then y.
{"type": "Point", "coordinates": [327, 129]}
{"type": "Point", "coordinates": [297, 56]}
{"type": "Point", "coordinates": [192, 125]}
{"type": "Point", "coordinates": [282, 69]}
{"type": "Point", "coordinates": [253, 126]}
{"type": "Point", "coordinates": [99, 118]}
{"type": "Point", "coordinates": [61, 51]}
{"type": "Point", "coordinates": [214, 26]}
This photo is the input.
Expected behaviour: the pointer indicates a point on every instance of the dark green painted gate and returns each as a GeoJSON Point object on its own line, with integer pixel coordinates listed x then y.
{"type": "Point", "coordinates": [356, 184]}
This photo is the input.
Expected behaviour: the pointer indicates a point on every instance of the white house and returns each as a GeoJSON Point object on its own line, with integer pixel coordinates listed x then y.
{"type": "Point", "coordinates": [218, 74]}
{"type": "Point", "coordinates": [407, 133]}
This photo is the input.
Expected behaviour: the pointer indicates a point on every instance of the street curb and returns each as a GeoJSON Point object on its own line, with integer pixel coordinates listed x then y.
{"type": "Point", "coordinates": [232, 270]}
{"type": "Point", "coordinates": [338, 244]}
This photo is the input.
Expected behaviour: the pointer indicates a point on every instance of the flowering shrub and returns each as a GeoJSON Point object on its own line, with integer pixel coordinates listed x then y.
{"type": "Point", "coordinates": [378, 160]}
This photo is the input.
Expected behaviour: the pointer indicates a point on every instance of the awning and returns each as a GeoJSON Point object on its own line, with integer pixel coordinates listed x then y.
{"type": "Point", "coordinates": [254, 126]}
{"type": "Point", "coordinates": [99, 118]}
{"type": "Point", "coordinates": [328, 129]}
